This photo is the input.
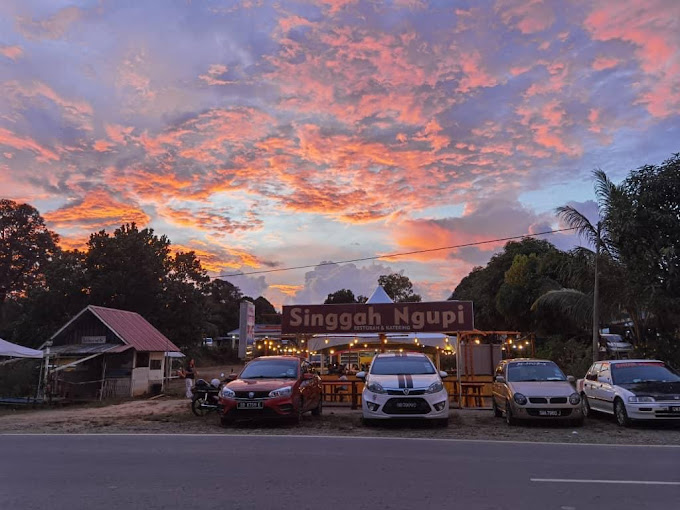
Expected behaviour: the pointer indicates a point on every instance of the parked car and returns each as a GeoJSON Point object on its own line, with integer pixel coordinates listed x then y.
{"type": "Point", "coordinates": [614, 346]}
{"type": "Point", "coordinates": [534, 389]}
{"type": "Point", "coordinates": [404, 385]}
{"type": "Point", "coordinates": [272, 386]}
{"type": "Point", "coordinates": [637, 389]}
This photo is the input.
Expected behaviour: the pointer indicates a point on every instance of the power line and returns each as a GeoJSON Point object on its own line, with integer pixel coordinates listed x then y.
{"type": "Point", "coordinates": [391, 255]}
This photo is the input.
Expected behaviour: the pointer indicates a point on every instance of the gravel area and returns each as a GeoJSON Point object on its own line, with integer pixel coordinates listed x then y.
{"type": "Point", "coordinates": [173, 416]}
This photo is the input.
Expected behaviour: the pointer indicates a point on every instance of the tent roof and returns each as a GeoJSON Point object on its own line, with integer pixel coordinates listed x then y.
{"type": "Point", "coordinates": [18, 351]}
{"type": "Point", "coordinates": [379, 296]}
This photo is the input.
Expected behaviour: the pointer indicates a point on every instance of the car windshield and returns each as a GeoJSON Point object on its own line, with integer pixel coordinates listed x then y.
{"type": "Point", "coordinates": [634, 373]}
{"type": "Point", "coordinates": [402, 365]}
{"type": "Point", "coordinates": [534, 371]}
{"type": "Point", "coordinates": [271, 369]}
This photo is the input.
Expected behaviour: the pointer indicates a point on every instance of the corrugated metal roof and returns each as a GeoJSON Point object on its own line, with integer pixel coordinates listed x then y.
{"type": "Point", "coordinates": [79, 349]}
{"type": "Point", "coordinates": [133, 329]}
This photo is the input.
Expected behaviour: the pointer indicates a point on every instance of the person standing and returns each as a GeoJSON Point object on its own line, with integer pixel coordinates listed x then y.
{"type": "Point", "coordinates": [189, 374]}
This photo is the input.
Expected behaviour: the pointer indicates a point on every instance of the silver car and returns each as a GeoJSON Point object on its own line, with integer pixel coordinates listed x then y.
{"type": "Point", "coordinates": [534, 389]}
{"type": "Point", "coordinates": [636, 389]}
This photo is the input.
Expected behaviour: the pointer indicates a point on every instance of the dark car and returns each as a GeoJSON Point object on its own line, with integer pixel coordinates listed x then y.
{"type": "Point", "coordinates": [272, 387]}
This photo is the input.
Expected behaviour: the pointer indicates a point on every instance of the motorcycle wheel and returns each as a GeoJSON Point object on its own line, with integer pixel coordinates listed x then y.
{"type": "Point", "coordinates": [197, 406]}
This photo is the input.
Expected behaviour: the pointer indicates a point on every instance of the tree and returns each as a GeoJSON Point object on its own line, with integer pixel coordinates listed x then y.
{"type": "Point", "coordinates": [265, 313]}
{"type": "Point", "coordinates": [483, 284]}
{"type": "Point", "coordinates": [340, 296]}
{"type": "Point", "coordinates": [26, 245]}
{"type": "Point", "coordinates": [48, 306]}
{"type": "Point", "coordinates": [224, 300]}
{"type": "Point", "coordinates": [127, 270]}
{"type": "Point", "coordinates": [399, 288]}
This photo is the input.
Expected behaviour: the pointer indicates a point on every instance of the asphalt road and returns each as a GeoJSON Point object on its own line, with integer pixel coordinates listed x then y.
{"type": "Point", "coordinates": [282, 472]}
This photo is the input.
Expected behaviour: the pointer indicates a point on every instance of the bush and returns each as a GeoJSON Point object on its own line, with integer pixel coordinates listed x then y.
{"type": "Point", "coordinates": [574, 356]}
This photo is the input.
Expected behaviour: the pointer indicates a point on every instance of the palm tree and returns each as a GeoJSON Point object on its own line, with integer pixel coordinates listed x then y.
{"type": "Point", "coordinates": [580, 306]}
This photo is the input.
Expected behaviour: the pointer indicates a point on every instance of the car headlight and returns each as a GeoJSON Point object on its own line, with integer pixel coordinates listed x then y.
{"type": "Point", "coordinates": [435, 387]}
{"type": "Point", "coordinates": [640, 399]}
{"type": "Point", "coordinates": [227, 393]}
{"type": "Point", "coordinates": [574, 399]}
{"type": "Point", "coordinates": [375, 387]}
{"type": "Point", "coordinates": [519, 398]}
{"type": "Point", "coordinates": [286, 391]}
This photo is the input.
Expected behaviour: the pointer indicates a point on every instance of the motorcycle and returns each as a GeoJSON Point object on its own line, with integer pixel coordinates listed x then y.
{"type": "Point", "coordinates": [206, 396]}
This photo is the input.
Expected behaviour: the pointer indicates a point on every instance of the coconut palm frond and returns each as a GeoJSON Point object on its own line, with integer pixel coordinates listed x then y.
{"type": "Point", "coordinates": [570, 303]}
{"type": "Point", "coordinates": [604, 191]}
{"type": "Point", "coordinates": [579, 222]}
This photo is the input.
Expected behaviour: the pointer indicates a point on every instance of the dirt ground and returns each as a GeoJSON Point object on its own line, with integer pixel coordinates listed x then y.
{"type": "Point", "coordinates": [170, 415]}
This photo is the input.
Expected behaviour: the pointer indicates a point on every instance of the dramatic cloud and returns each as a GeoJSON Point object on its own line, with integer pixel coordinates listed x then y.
{"type": "Point", "coordinates": [264, 134]}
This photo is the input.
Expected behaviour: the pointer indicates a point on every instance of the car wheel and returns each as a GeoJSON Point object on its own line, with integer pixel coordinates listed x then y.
{"type": "Point", "coordinates": [318, 410]}
{"type": "Point", "coordinates": [621, 414]}
{"type": "Point", "coordinates": [509, 418]}
{"type": "Point", "coordinates": [197, 407]}
{"type": "Point", "coordinates": [585, 405]}
{"type": "Point", "coordinates": [443, 423]}
{"type": "Point", "coordinates": [226, 421]}
{"type": "Point", "coordinates": [367, 422]}
{"type": "Point", "coordinates": [496, 412]}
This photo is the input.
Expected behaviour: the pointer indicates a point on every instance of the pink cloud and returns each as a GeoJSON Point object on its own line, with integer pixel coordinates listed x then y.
{"type": "Point", "coordinates": [10, 139]}
{"type": "Point", "coordinates": [11, 52]}
{"type": "Point", "coordinates": [652, 29]}
{"type": "Point", "coordinates": [601, 63]}
{"type": "Point", "coordinates": [527, 16]}
{"type": "Point", "coordinates": [212, 77]}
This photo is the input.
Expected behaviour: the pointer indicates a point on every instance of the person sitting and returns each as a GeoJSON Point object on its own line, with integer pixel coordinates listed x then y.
{"type": "Point", "coordinates": [339, 389]}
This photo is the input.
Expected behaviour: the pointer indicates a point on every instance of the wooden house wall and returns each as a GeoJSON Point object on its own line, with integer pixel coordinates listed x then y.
{"type": "Point", "coordinates": [85, 325]}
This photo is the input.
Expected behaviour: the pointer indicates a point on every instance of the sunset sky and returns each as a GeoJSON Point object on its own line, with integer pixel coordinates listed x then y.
{"type": "Point", "coordinates": [272, 134]}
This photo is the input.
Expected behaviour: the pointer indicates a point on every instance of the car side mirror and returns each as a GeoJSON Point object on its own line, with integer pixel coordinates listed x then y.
{"type": "Point", "coordinates": [232, 377]}
{"type": "Point", "coordinates": [307, 376]}
{"type": "Point", "coordinates": [571, 379]}
{"type": "Point", "coordinates": [500, 379]}
{"type": "Point", "coordinates": [443, 374]}
{"type": "Point", "coordinates": [360, 375]}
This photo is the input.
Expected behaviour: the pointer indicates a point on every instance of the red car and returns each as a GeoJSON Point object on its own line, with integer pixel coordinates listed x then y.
{"type": "Point", "coordinates": [272, 386]}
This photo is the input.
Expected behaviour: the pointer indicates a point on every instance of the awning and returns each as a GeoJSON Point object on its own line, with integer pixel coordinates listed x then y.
{"type": "Point", "coordinates": [372, 340]}
{"type": "Point", "coordinates": [18, 351]}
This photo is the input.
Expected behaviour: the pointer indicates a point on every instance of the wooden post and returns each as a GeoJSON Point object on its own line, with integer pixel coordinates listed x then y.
{"type": "Point", "coordinates": [101, 389]}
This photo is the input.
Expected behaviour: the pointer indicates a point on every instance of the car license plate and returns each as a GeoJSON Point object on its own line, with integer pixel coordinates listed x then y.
{"type": "Point", "coordinates": [407, 405]}
{"type": "Point", "coordinates": [249, 405]}
{"type": "Point", "coordinates": [674, 409]}
{"type": "Point", "coordinates": [548, 412]}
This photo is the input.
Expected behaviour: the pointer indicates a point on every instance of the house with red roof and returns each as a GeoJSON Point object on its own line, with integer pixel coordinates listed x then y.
{"type": "Point", "coordinates": [108, 353]}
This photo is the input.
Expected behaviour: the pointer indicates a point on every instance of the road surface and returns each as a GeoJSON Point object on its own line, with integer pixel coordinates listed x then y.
{"type": "Point", "coordinates": [226, 472]}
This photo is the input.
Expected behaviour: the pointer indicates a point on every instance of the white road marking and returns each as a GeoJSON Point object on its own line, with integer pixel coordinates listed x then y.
{"type": "Point", "coordinates": [213, 435]}
{"type": "Point", "coordinates": [622, 482]}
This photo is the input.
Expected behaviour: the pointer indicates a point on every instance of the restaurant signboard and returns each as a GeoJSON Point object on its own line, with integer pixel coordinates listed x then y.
{"type": "Point", "coordinates": [430, 317]}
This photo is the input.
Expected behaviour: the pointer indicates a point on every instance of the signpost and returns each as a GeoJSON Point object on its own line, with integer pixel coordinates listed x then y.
{"type": "Point", "coordinates": [246, 336]}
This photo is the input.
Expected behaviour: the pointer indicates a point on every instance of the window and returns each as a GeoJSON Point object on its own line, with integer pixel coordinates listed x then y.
{"type": "Point", "coordinates": [605, 372]}
{"type": "Point", "coordinates": [155, 364]}
{"type": "Point", "coordinates": [142, 360]}
{"type": "Point", "coordinates": [592, 374]}
{"type": "Point", "coordinates": [413, 365]}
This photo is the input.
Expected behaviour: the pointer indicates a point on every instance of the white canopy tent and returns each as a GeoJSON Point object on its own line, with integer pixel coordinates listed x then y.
{"type": "Point", "coordinates": [18, 351]}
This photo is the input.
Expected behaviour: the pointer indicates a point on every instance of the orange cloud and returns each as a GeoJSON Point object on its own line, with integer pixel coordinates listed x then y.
{"type": "Point", "coordinates": [288, 290]}
{"type": "Point", "coordinates": [97, 209]}
{"type": "Point", "coordinates": [213, 74]}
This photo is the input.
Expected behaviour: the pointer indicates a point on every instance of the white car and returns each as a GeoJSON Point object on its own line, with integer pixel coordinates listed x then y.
{"type": "Point", "coordinates": [404, 386]}
{"type": "Point", "coordinates": [635, 389]}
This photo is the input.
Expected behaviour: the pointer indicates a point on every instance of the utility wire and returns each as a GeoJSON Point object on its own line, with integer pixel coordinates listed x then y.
{"type": "Point", "coordinates": [391, 255]}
